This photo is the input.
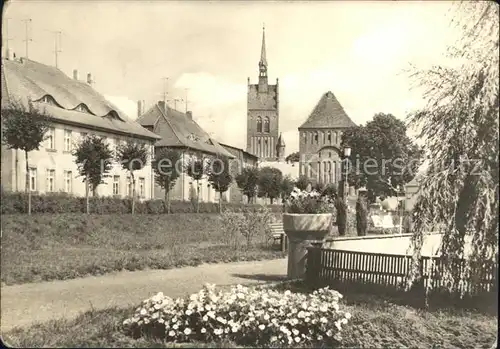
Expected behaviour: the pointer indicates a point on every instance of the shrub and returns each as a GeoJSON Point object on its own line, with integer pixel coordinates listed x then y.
{"type": "Point", "coordinates": [361, 216]}
{"type": "Point", "coordinates": [249, 224]}
{"type": "Point", "coordinates": [16, 203]}
{"type": "Point", "coordinates": [341, 209]}
{"type": "Point", "coordinates": [244, 316]}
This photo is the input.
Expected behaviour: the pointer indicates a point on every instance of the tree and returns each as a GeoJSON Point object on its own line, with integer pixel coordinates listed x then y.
{"type": "Point", "coordinates": [382, 155]}
{"type": "Point", "coordinates": [302, 182]}
{"type": "Point", "coordinates": [459, 125]}
{"type": "Point", "coordinates": [167, 171]}
{"type": "Point", "coordinates": [247, 182]}
{"type": "Point", "coordinates": [286, 187]}
{"type": "Point", "coordinates": [219, 176]}
{"type": "Point", "coordinates": [293, 157]}
{"type": "Point", "coordinates": [195, 169]}
{"type": "Point", "coordinates": [269, 182]}
{"type": "Point", "coordinates": [133, 157]}
{"type": "Point", "coordinates": [24, 128]}
{"type": "Point", "coordinates": [94, 160]}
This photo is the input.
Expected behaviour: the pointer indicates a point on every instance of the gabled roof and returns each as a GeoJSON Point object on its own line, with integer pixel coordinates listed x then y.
{"type": "Point", "coordinates": [255, 157]}
{"type": "Point", "coordinates": [25, 80]}
{"type": "Point", "coordinates": [176, 129]}
{"type": "Point", "coordinates": [328, 113]}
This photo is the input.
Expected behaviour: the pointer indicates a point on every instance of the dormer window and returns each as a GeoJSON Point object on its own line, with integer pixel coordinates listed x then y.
{"type": "Point", "coordinates": [47, 99]}
{"type": "Point", "coordinates": [82, 108]}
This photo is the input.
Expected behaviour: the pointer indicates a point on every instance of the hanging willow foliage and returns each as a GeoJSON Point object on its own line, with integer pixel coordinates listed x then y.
{"type": "Point", "coordinates": [459, 192]}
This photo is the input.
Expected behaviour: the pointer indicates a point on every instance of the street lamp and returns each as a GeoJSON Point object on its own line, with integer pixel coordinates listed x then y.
{"type": "Point", "coordinates": [347, 154]}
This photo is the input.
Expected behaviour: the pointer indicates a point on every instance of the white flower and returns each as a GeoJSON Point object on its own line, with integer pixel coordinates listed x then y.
{"type": "Point", "coordinates": [203, 330]}
{"type": "Point", "coordinates": [175, 326]}
{"type": "Point", "coordinates": [187, 331]}
{"type": "Point", "coordinates": [323, 320]}
{"type": "Point", "coordinates": [347, 315]}
{"type": "Point", "coordinates": [143, 311]}
{"type": "Point", "coordinates": [171, 333]}
{"type": "Point", "coordinates": [297, 339]}
{"type": "Point", "coordinates": [262, 327]}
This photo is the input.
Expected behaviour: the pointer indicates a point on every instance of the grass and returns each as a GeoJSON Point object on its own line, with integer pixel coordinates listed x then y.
{"type": "Point", "coordinates": [376, 323]}
{"type": "Point", "coordinates": [65, 246]}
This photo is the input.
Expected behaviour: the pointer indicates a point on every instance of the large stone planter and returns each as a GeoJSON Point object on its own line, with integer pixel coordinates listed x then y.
{"type": "Point", "coordinates": [302, 230]}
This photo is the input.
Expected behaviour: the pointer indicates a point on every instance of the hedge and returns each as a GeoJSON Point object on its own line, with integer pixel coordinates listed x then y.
{"type": "Point", "coordinates": [17, 202]}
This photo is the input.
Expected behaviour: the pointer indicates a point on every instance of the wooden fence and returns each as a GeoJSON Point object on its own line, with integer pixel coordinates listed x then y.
{"type": "Point", "coordinates": [377, 271]}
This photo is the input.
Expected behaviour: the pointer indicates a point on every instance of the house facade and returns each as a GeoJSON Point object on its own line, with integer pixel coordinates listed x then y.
{"type": "Point", "coordinates": [179, 131]}
{"type": "Point", "coordinates": [242, 160]}
{"type": "Point", "coordinates": [320, 139]}
{"type": "Point", "coordinates": [75, 110]}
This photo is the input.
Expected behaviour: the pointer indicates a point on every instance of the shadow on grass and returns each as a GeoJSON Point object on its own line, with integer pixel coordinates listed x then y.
{"type": "Point", "coordinates": [261, 277]}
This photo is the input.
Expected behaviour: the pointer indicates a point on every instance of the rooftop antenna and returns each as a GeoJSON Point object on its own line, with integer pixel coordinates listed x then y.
{"type": "Point", "coordinates": [27, 39]}
{"type": "Point", "coordinates": [57, 44]}
{"type": "Point", "coordinates": [165, 94]}
{"type": "Point", "coordinates": [7, 39]}
{"type": "Point", "coordinates": [175, 100]}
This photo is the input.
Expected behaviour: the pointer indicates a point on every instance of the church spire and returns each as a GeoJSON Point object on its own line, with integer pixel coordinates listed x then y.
{"type": "Point", "coordinates": [263, 60]}
{"type": "Point", "coordinates": [263, 64]}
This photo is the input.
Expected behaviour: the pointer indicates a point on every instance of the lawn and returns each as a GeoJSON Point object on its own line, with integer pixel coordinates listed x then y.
{"type": "Point", "coordinates": [376, 322]}
{"type": "Point", "coordinates": [65, 246]}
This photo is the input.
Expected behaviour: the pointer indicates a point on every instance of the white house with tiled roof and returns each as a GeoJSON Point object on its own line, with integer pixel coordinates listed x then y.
{"type": "Point", "coordinates": [179, 131]}
{"type": "Point", "coordinates": [75, 110]}
{"type": "Point", "coordinates": [320, 137]}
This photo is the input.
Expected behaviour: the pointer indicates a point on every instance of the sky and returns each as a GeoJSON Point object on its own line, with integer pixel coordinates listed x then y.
{"type": "Point", "coordinates": [359, 50]}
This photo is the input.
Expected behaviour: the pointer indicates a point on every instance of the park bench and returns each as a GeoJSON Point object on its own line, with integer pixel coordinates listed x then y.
{"type": "Point", "coordinates": [278, 234]}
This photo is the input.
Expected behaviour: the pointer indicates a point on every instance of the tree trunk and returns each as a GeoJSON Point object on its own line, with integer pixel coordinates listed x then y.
{"type": "Point", "coordinates": [133, 193]}
{"type": "Point", "coordinates": [87, 199]}
{"type": "Point", "coordinates": [197, 196]}
{"type": "Point", "coordinates": [166, 199]}
{"type": "Point", "coordinates": [220, 202]}
{"type": "Point", "coordinates": [28, 186]}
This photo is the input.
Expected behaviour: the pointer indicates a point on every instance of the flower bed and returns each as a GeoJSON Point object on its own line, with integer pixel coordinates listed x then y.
{"type": "Point", "coordinates": [242, 315]}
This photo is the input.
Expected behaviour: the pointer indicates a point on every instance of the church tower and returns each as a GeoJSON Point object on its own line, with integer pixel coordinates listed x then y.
{"type": "Point", "coordinates": [263, 113]}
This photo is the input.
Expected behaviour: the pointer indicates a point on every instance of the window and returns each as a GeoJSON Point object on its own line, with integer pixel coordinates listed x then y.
{"type": "Point", "coordinates": [68, 181]}
{"type": "Point", "coordinates": [266, 125]}
{"type": "Point", "coordinates": [142, 187]}
{"type": "Point", "coordinates": [316, 138]}
{"type": "Point", "coordinates": [51, 180]}
{"type": "Point", "coordinates": [33, 179]}
{"type": "Point", "coordinates": [116, 185]}
{"type": "Point", "coordinates": [334, 137]}
{"type": "Point", "coordinates": [304, 135]}
{"type": "Point", "coordinates": [329, 137]}
{"type": "Point", "coordinates": [67, 140]}
{"type": "Point", "coordinates": [50, 142]}
{"type": "Point", "coordinates": [259, 124]}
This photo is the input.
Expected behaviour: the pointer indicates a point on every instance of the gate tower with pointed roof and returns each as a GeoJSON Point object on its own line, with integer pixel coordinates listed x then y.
{"type": "Point", "coordinates": [320, 137]}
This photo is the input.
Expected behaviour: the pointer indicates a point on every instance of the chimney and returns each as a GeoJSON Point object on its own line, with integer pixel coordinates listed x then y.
{"type": "Point", "coordinates": [189, 114]}
{"type": "Point", "coordinates": [89, 79]}
{"type": "Point", "coordinates": [10, 54]}
{"type": "Point", "coordinates": [140, 108]}
{"type": "Point", "coordinates": [161, 104]}
{"type": "Point", "coordinates": [143, 106]}
{"type": "Point", "coordinates": [75, 74]}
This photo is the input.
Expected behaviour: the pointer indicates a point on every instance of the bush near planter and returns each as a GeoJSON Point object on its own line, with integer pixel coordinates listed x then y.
{"type": "Point", "coordinates": [17, 203]}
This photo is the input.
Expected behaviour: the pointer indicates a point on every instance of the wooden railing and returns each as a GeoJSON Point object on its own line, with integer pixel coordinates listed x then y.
{"type": "Point", "coordinates": [377, 271]}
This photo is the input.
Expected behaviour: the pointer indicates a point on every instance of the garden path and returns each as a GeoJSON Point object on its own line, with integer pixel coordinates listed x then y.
{"type": "Point", "coordinates": [26, 304]}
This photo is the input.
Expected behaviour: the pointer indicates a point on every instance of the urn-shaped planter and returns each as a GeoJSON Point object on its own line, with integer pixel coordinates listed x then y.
{"type": "Point", "coordinates": [302, 230]}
